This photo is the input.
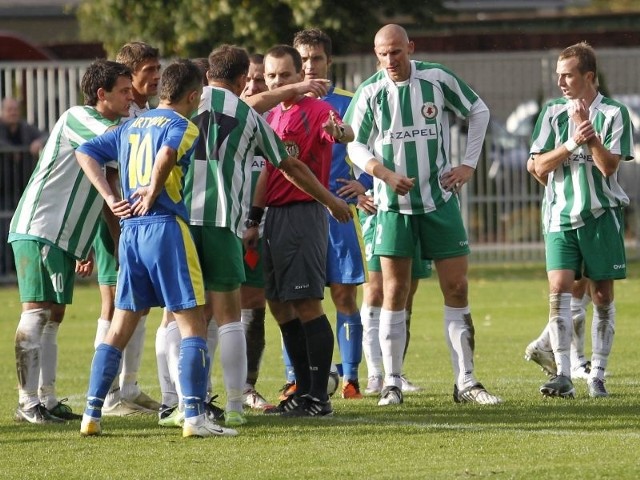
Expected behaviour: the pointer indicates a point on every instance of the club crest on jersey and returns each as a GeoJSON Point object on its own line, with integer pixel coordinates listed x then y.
{"type": "Point", "coordinates": [292, 148]}
{"type": "Point", "coordinates": [429, 110]}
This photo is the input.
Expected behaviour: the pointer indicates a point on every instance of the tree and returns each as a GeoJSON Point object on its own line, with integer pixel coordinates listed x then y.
{"type": "Point", "coordinates": [191, 28]}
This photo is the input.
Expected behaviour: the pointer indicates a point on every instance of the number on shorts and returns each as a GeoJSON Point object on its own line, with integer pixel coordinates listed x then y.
{"type": "Point", "coordinates": [58, 284]}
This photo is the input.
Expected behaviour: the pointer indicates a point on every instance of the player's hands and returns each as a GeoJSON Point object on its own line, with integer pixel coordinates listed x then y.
{"type": "Point", "coordinates": [316, 87]}
{"type": "Point", "coordinates": [120, 208]}
{"type": "Point", "coordinates": [142, 201]}
{"type": "Point", "coordinates": [350, 189]}
{"type": "Point", "coordinates": [578, 111]}
{"type": "Point", "coordinates": [340, 210]}
{"type": "Point", "coordinates": [453, 180]}
{"type": "Point", "coordinates": [250, 238]}
{"type": "Point", "coordinates": [365, 203]}
{"type": "Point", "coordinates": [332, 127]}
{"type": "Point", "coordinates": [399, 183]}
{"type": "Point", "coordinates": [84, 268]}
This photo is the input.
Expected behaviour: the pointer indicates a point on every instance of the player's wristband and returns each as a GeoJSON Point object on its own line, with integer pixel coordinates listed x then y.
{"type": "Point", "coordinates": [571, 145]}
{"type": "Point", "coordinates": [255, 215]}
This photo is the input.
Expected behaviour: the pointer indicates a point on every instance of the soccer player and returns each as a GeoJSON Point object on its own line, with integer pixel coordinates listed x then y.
{"type": "Point", "coordinates": [52, 228]}
{"type": "Point", "coordinates": [218, 194]}
{"type": "Point", "coordinates": [252, 301]}
{"type": "Point", "coordinates": [345, 269]}
{"type": "Point", "coordinates": [125, 396]}
{"type": "Point", "coordinates": [577, 145]}
{"type": "Point", "coordinates": [400, 117]}
{"type": "Point", "coordinates": [372, 295]}
{"type": "Point", "coordinates": [296, 232]}
{"type": "Point", "coordinates": [158, 261]}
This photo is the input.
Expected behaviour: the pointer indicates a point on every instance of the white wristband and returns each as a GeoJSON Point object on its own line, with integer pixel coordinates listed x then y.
{"type": "Point", "coordinates": [571, 145]}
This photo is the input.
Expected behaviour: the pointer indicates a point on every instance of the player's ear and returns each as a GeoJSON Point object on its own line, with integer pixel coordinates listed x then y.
{"type": "Point", "coordinates": [100, 93]}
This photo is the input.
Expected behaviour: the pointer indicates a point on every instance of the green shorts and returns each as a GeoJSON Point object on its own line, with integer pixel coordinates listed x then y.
{"type": "Point", "coordinates": [420, 268]}
{"type": "Point", "coordinates": [104, 250]}
{"type": "Point", "coordinates": [45, 273]}
{"type": "Point", "coordinates": [220, 253]}
{"type": "Point", "coordinates": [595, 250]}
{"type": "Point", "coordinates": [440, 234]}
{"type": "Point", "coordinates": [254, 274]}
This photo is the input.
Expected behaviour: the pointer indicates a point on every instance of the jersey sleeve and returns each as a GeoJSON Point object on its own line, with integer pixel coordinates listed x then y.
{"type": "Point", "coordinates": [269, 144]}
{"type": "Point", "coordinates": [103, 148]}
{"type": "Point", "coordinates": [182, 137]}
{"type": "Point", "coordinates": [360, 116]}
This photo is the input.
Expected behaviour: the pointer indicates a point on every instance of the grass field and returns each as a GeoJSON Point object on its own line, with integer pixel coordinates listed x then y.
{"type": "Point", "coordinates": [427, 437]}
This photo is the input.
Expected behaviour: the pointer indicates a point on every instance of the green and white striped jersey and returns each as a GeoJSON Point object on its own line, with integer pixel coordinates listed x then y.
{"type": "Point", "coordinates": [576, 190]}
{"type": "Point", "coordinates": [406, 126]}
{"type": "Point", "coordinates": [218, 182]}
{"type": "Point", "coordinates": [59, 205]}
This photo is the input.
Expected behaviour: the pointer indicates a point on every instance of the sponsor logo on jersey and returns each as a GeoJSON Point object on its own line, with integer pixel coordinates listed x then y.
{"type": "Point", "coordinates": [429, 110]}
{"type": "Point", "coordinates": [410, 133]}
{"type": "Point", "coordinates": [258, 163]}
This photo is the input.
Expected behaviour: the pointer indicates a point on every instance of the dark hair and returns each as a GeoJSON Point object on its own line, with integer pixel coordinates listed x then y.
{"type": "Point", "coordinates": [178, 79]}
{"type": "Point", "coordinates": [203, 64]}
{"type": "Point", "coordinates": [228, 62]}
{"type": "Point", "coordinates": [133, 54]}
{"type": "Point", "coordinates": [256, 58]}
{"type": "Point", "coordinates": [586, 58]}
{"type": "Point", "coordinates": [313, 37]}
{"type": "Point", "coordinates": [280, 51]}
{"type": "Point", "coordinates": [101, 74]}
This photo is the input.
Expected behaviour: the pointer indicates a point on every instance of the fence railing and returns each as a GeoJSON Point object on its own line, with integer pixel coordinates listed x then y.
{"type": "Point", "coordinates": [501, 205]}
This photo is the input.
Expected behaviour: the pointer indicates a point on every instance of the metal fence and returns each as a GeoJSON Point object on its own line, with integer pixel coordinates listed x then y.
{"type": "Point", "coordinates": [500, 205]}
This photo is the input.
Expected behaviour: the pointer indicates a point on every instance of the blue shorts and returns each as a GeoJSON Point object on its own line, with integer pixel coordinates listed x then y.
{"type": "Point", "coordinates": [344, 253]}
{"type": "Point", "coordinates": [159, 265]}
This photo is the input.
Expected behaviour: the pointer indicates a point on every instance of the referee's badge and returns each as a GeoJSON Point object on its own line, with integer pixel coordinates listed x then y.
{"type": "Point", "coordinates": [292, 148]}
{"type": "Point", "coordinates": [429, 110]}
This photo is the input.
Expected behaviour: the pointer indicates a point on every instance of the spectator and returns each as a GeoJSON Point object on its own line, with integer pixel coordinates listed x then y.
{"type": "Point", "coordinates": [16, 132]}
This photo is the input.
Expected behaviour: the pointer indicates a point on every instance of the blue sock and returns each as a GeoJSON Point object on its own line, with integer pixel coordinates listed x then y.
{"type": "Point", "coordinates": [349, 334]}
{"type": "Point", "coordinates": [104, 369]}
{"type": "Point", "coordinates": [289, 373]}
{"type": "Point", "coordinates": [193, 370]}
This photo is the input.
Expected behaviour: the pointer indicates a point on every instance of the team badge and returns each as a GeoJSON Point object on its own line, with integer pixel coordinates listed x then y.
{"type": "Point", "coordinates": [429, 110]}
{"type": "Point", "coordinates": [292, 148]}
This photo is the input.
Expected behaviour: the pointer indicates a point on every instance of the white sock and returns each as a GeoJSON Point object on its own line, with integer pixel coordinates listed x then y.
{"type": "Point", "coordinates": [101, 332]}
{"type": "Point", "coordinates": [392, 335]}
{"type": "Point", "coordinates": [167, 388]}
{"type": "Point", "coordinates": [560, 331]}
{"type": "Point", "coordinates": [370, 339]}
{"type": "Point", "coordinates": [578, 314]}
{"type": "Point", "coordinates": [27, 343]}
{"type": "Point", "coordinates": [131, 358]}
{"type": "Point", "coordinates": [603, 329]}
{"type": "Point", "coordinates": [212, 345]}
{"type": "Point", "coordinates": [172, 350]}
{"type": "Point", "coordinates": [460, 337]}
{"type": "Point", "coordinates": [233, 359]}
{"type": "Point", "coordinates": [48, 364]}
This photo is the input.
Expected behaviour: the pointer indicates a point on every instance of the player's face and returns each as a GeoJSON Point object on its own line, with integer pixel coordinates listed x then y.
{"type": "Point", "coordinates": [572, 83]}
{"type": "Point", "coordinates": [255, 80]}
{"type": "Point", "coordinates": [315, 62]}
{"type": "Point", "coordinates": [280, 71]}
{"type": "Point", "coordinates": [146, 78]}
{"type": "Point", "coordinates": [116, 103]}
{"type": "Point", "coordinates": [393, 52]}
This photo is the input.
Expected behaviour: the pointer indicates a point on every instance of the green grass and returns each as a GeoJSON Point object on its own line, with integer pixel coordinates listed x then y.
{"type": "Point", "coordinates": [427, 437]}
